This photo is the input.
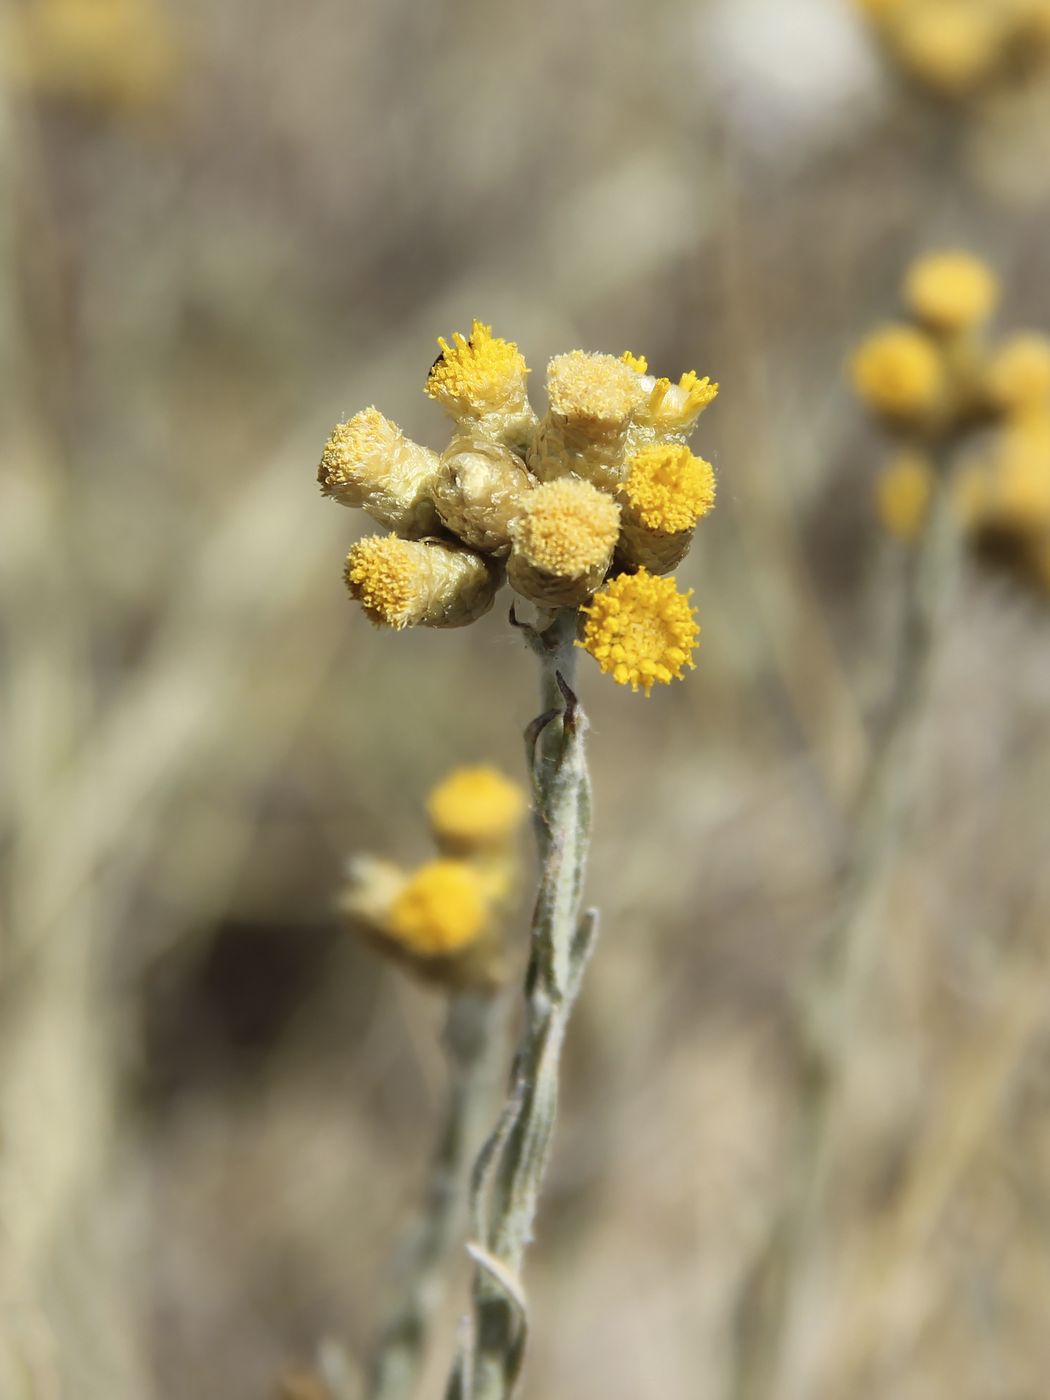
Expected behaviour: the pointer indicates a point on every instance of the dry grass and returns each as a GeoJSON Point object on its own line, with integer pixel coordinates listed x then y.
{"type": "Point", "coordinates": [212, 1107]}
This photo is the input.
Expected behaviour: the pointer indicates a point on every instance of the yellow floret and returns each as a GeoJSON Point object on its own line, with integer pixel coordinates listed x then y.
{"type": "Point", "coordinates": [951, 291]}
{"type": "Point", "coordinates": [638, 363]}
{"type": "Point", "coordinates": [475, 807]}
{"type": "Point", "coordinates": [898, 371]}
{"type": "Point", "coordinates": [381, 573]}
{"type": "Point", "coordinates": [668, 488]}
{"type": "Point", "coordinates": [903, 493]}
{"type": "Point", "coordinates": [641, 630]}
{"type": "Point", "coordinates": [674, 408]}
{"type": "Point", "coordinates": [1019, 374]}
{"type": "Point", "coordinates": [441, 909]}
{"type": "Point", "coordinates": [566, 527]}
{"type": "Point", "coordinates": [477, 375]}
{"type": "Point", "coordinates": [593, 389]}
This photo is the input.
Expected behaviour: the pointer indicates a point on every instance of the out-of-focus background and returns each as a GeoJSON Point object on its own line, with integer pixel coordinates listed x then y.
{"type": "Point", "coordinates": [225, 227]}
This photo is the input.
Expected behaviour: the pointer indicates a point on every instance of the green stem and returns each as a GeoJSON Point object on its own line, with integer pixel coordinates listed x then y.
{"type": "Point", "coordinates": [509, 1173]}
{"type": "Point", "coordinates": [474, 1047]}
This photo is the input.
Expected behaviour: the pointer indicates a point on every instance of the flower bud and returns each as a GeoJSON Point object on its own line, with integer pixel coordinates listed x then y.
{"type": "Point", "coordinates": [666, 492]}
{"type": "Point", "coordinates": [478, 492]}
{"type": "Point", "coordinates": [563, 542]}
{"type": "Point", "coordinates": [369, 463]}
{"type": "Point", "coordinates": [419, 583]}
{"type": "Point", "coordinates": [480, 383]}
{"type": "Point", "coordinates": [592, 400]}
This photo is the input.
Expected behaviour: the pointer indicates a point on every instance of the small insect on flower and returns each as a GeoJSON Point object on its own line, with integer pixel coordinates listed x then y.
{"type": "Point", "coordinates": [641, 630]}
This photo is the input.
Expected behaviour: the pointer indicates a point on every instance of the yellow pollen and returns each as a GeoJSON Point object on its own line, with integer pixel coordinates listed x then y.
{"type": "Point", "coordinates": [641, 630]}
{"type": "Point", "coordinates": [897, 370]}
{"type": "Point", "coordinates": [951, 291]}
{"type": "Point", "coordinates": [669, 488]}
{"type": "Point", "coordinates": [902, 494]}
{"type": "Point", "coordinates": [566, 527]}
{"type": "Point", "coordinates": [598, 389]}
{"type": "Point", "coordinates": [381, 573]}
{"type": "Point", "coordinates": [476, 807]}
{"type": "Point", "coordinates": [477, 374]}
{"type": "Point", "coordinates": [441, 909]}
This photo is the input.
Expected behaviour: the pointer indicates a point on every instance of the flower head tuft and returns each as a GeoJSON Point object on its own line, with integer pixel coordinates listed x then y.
{"type": "Point", "coordinates": [638, 363]}
{"type": "Point", "coordinates": [897, 371]}
{"type": "Point", "coordinates": [474, 809]}
{"type": "Point", "coordinates": [951, 291]}
{"type": "Point", "coordinates": [441, 909]}
{"type": "Point", "coordinates": [674, 408]}
{"type": "Point", "coordinates": [641, 630]}
{"type": "Point", "coordinates": [407, 583]}
{"type": "Point", "coordinates": [563, 542]}
{"type": "Point", "coordinates": [478, 374]}
{"type": "Point", "coordinates": [368, 463]}
{"type": "Point", "coordinates": [597, 392]}
{"type": "Point", "coordinates": [668, 489]}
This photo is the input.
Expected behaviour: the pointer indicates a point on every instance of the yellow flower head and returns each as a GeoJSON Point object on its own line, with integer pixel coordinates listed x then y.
{"type": "Point", "coordinates": [599, 393]}
{"type": "Point", "coordinates": [668, 489]}
{"type": "Point", "coordinates": [638, 363]}
{"type": "Point", "coordinates": [641, 630]}
{"type": "Point", "coordinates": [442, 909]}
{"type": "Point", "coordinates": [903, 492]}
{"type": "Point", "coordinates": [475, 808]}
{"type": "Point", "coordinates": [951, 45]}
{"type": "Point", "coordinates": [477, 375]}
{"type": "Point", "coordinates": [897, 371]}
{"type": "Point", "coordinates": [951, 291]}
{"type": "Point", "coordinates": [567, 527]}
{"type": "Point", "coordinates": [408, 583]}
{"type": "Point", "coordinates": [1019, 374]}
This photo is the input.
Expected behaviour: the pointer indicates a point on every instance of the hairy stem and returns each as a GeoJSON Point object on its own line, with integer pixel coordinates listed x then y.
{"type": "Point", "coordinates": [508, 1176]}
{"type": "Point", "coordinates": [474, 1047]}
{"type": "Point", "coordinates": [831, 991]}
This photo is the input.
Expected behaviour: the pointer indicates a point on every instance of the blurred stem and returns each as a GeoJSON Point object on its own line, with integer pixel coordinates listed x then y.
{"type": "Point", "coordinates": [474, 1046]}
{"type": "Point", "coordinates": [509, 1173]}
{"type": "Point", "coordinates": [831, 992]}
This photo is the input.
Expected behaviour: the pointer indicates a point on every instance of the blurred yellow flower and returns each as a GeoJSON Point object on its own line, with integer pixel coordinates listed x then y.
{"type": "Point", "coordinates": [903, 492]}
{"type": "Point", "coordinates": [951, 291]}
{"type": "Point", "coordinates": [641, 630]}
{"type": "Point", "coordinates": [1019, 373]}
{"type": "Point", "coordinates": [118, 53]}
{"type": "Point", "coordinates": [441, 909]}
{"type": "Point", "coordinates": [475, 808]}
{"type": "Point", "coordinates": [897, 371]}
{"type": "Point", "coordinates": [951, 45]}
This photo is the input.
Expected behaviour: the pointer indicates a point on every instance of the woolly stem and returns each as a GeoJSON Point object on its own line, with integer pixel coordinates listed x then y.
{"type": "Point", "coordinates": [473, 1041]}
{"type": "Point", "coordinates": [509, 1173]}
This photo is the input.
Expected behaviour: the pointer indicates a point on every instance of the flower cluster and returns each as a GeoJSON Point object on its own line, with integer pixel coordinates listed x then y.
{"type": "Point", "coordinates": [951, 395]}
{"type": "Point", "coordinates": [960, 48]}
{"type": "Point", "coordinates": [589, 506]}
{"type": "Point", "coordinates": [444, 918]}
